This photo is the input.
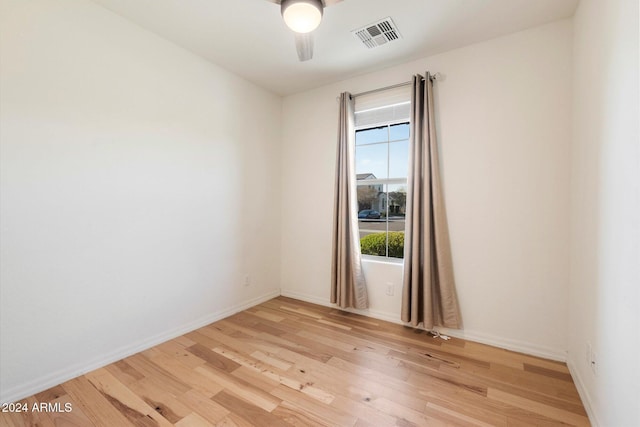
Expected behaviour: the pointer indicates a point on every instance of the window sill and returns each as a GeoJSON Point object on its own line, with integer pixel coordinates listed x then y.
{"type": "Point", "coordinates": [382, 260]}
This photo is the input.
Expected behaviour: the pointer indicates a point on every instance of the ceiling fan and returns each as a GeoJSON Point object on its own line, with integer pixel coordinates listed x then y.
{"type": "Point", "coordinates": [302, 17]}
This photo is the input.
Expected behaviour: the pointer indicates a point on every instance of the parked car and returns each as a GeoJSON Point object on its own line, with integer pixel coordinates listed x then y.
{"type": "Point", "coordinates": [368, 214]}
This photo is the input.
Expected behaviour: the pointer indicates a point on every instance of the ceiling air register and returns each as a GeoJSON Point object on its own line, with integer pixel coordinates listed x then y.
{"type": "Point", "coordinates": [377, 33]}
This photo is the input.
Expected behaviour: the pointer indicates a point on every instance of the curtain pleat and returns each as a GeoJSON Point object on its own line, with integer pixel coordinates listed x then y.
{"type": "Point", "coordinates": [348, 286]}
{"type": "Point", "coordinates": [429, 295]}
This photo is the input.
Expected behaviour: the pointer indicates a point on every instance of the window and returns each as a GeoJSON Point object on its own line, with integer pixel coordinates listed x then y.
{"type": "Point", "coordinates": [381, 175]}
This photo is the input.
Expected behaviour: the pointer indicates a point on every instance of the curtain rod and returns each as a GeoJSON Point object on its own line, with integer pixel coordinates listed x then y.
{"type": "Point", "coordinates": [435, 76]}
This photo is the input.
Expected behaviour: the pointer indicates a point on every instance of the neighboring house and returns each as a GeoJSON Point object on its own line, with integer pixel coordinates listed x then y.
{"type": "Point", "coordinates": [364, 176]}
{"type": "Point", "coordinates": [372, 196]}
{"type": "Point", "coordinates": [397, 203]}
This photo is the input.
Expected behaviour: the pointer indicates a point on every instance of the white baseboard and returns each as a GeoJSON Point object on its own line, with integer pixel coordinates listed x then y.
{"type": "Point", "coordinates": [306, 297]}
{"type": "Point", "coordinates": [380, 315]}
{"type": "Point", "coordinates": [584, 394]}
{"type": "Point", "coordinates": [58, 377]}
{"type": "Point", "coordinates": [495, 341]}
{"type": "Point", "coordinates": [508, 344]}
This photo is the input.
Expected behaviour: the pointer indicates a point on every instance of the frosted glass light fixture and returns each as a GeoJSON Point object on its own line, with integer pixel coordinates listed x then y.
{"type": "Point", "coordinates": [302, 16]}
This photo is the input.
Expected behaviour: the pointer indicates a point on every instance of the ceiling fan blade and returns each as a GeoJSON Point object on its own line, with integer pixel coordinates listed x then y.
{"type": "Point", "coordinates": [304, 46]}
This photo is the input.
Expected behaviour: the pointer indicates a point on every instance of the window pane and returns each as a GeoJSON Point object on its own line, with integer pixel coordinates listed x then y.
{"type": "Point", "coordinates": [371, 160]}
{"type": "Point", "coordinates": [369, 136]}
{"type": "Point", "coordinates": [398, 159]}
{"type": "Point", "coordinates": [397, 197]}
{"type": "Point", "coordinates": [400, 131]}
{"type": "Point", "coordinates": [372, 222]}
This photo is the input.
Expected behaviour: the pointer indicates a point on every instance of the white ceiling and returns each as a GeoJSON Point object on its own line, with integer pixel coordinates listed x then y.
{"type": "Point", "coordinates": [249, 38]}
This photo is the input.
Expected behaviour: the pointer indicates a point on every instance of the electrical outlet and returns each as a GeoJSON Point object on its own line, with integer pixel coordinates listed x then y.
{"type": "Point", "coordinates": [247, 280]}
{"type": "Point", "coordinates": [390, 289]}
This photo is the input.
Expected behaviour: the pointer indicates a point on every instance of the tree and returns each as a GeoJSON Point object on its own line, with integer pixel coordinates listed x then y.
{"type": "Point", "coordinates": [398, 199]}
{"type": "Point", "coordinates": [367, 196]}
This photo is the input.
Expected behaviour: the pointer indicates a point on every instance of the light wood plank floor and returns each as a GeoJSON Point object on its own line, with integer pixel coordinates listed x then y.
{"type": "Point", "coordinates": [290, 363]}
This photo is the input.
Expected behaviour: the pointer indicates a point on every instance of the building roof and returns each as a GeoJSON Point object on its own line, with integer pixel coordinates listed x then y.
{"type": "Point", "coordinates": [367, 175]}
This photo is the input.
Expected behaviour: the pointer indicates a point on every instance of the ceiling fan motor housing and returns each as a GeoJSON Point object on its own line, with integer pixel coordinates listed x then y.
{"type": "Point", "coordinates": [316, 3]}
{"type": "Point", "coordinates": [299, 12]}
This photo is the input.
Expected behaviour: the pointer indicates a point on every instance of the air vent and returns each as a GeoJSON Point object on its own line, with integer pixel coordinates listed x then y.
{"type": "Point", "coordinates": [378, 33]}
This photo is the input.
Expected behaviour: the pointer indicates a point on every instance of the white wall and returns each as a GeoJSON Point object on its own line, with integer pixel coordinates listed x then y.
{"type": "Point", "coordinates": [605, 211]}
{"type": "Point", "coordinates": [504, 123]}
{"type": "Point", "coordinates": [139, 183]}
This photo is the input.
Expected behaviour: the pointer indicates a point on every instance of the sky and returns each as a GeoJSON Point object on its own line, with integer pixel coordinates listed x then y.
{"type": "Point", "coordinates": [373, 149]}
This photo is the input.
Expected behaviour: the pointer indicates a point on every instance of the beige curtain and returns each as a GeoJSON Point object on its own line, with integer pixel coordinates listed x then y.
{"type": "Point", "coordinates": [429, 294]}
{"type": "Point", "coordinates": [348, 287]}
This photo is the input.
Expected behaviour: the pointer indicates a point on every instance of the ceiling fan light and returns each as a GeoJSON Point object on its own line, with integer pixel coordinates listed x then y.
{"type": "Point", "coordinates": [302, 16]}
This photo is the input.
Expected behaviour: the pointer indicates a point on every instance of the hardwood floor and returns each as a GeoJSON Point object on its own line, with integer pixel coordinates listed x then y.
{"type": "Point", "coordinates": [290, 363]}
